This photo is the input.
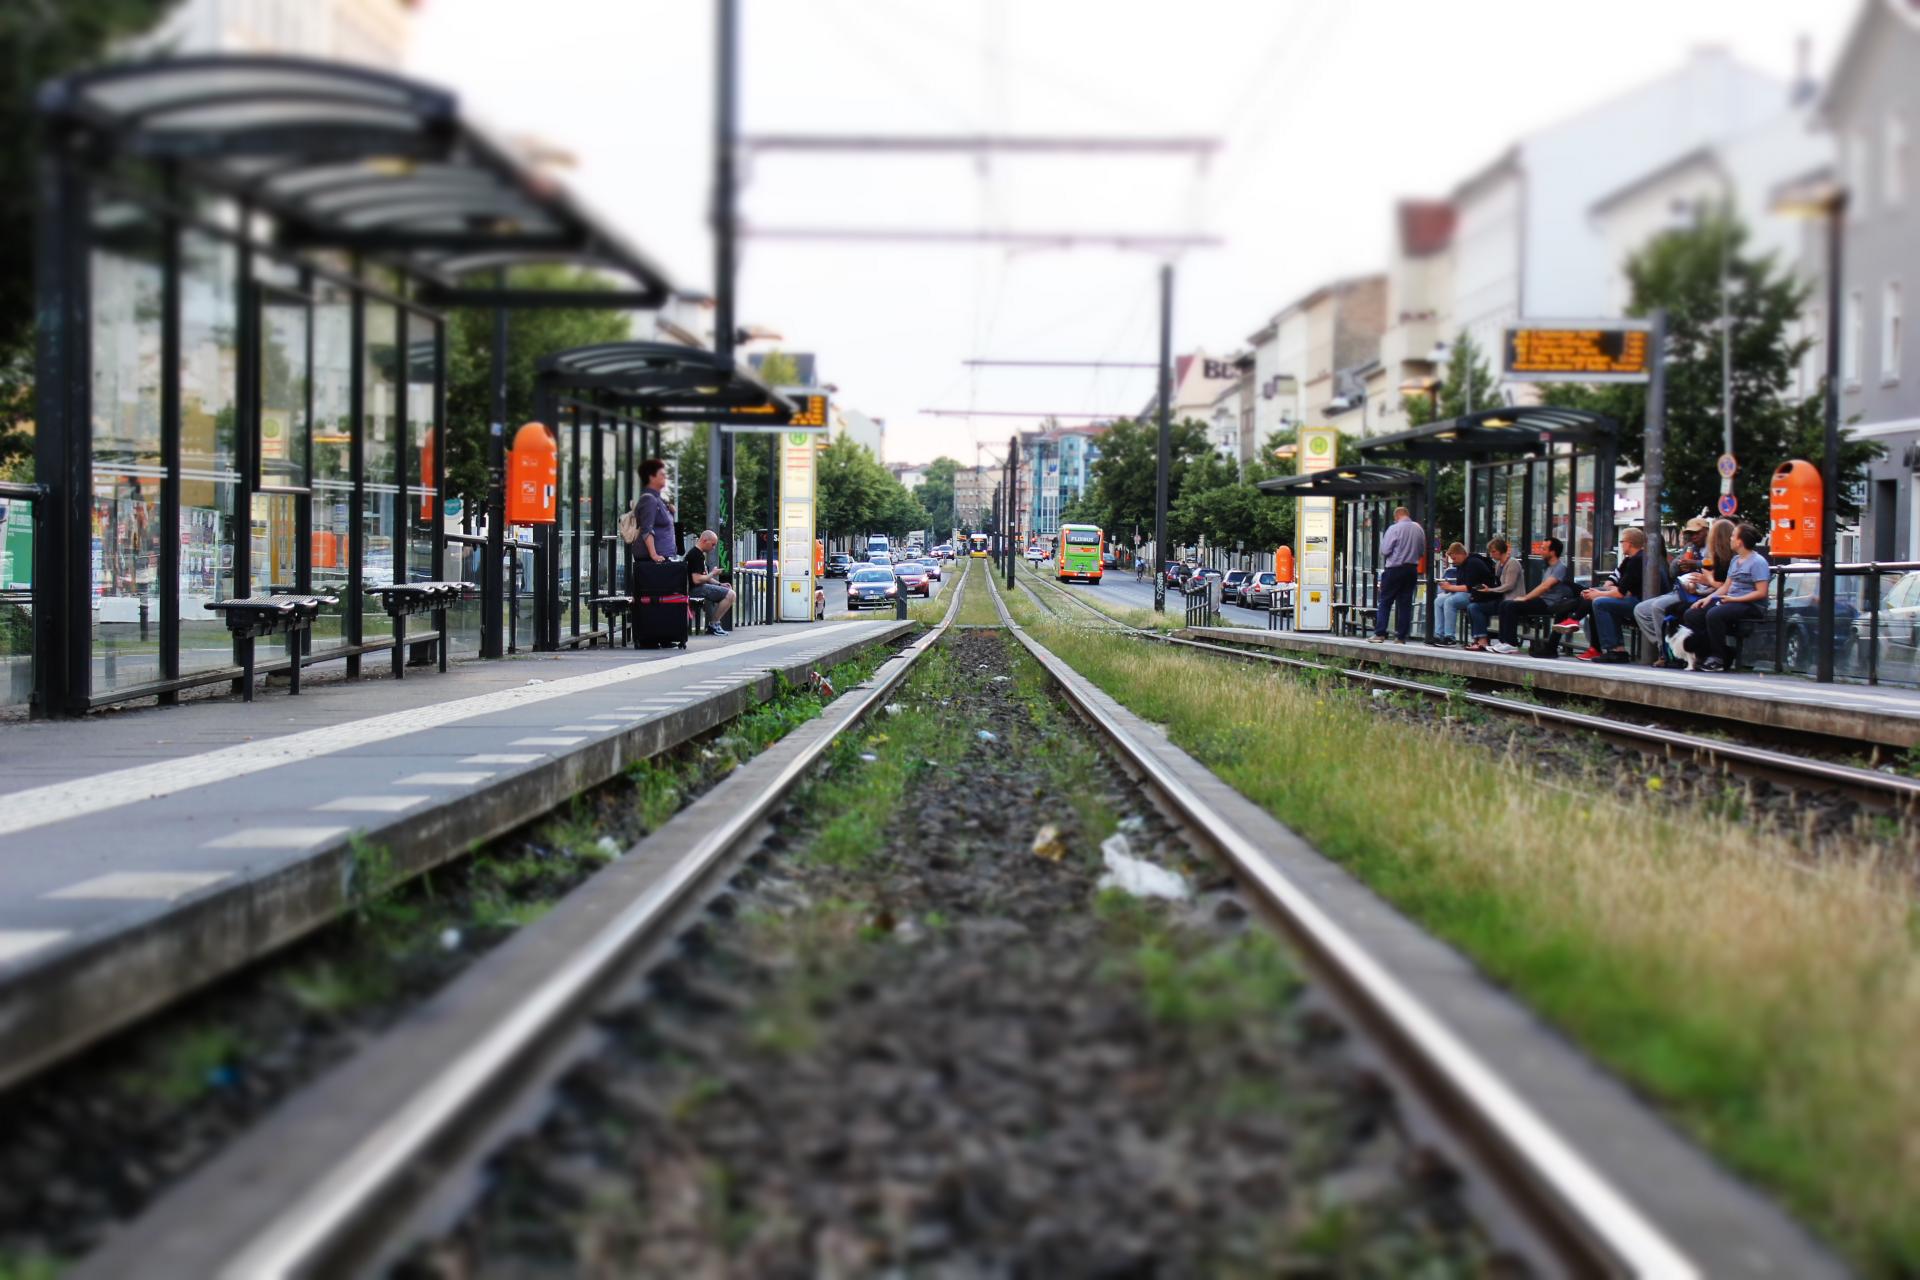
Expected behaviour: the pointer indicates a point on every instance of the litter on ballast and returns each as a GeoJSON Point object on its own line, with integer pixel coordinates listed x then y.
{"type": "Point", "coordinates": [988, 735]}
{"type": "Point", "coordinates": [1048, 844]}
{"type": "Point", "coordinates": [449, 939]}
{"type": "Point", "coordinates": [868, 756]}
{"type": "Point", "coordinates": [1137, 876]}
{"type": "Point", "coordinates": [608, 845]}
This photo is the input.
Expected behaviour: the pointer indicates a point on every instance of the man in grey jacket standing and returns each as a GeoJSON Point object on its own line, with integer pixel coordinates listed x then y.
{"type": "Point", "coordinates": [1400, 552]}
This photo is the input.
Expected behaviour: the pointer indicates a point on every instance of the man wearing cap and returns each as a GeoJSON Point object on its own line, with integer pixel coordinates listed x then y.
{"type": "Point", "coordinates": [1651, 614]}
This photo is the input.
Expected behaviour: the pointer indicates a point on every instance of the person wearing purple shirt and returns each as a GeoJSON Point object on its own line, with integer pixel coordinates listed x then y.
{"type": "Point", "coordinates": [653, 515]}
{"type": "Point", "coordinates": [1400, 551]}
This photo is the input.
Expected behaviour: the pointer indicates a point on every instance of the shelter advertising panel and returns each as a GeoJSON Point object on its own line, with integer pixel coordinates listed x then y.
{"type": "Point", "coordinates": [1313, 597]}
{"type": "Point", "coordinates": [797, 453]}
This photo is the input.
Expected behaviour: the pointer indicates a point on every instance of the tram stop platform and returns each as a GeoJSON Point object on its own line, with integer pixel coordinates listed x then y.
{"type": "Point", "coordinates": [145, 853]}
{"type": "Point", "coordinates": [1870, 714]}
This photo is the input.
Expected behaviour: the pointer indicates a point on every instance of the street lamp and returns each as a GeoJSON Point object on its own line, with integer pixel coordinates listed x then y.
{"type": "Point", "coordinates": [1825, 199]}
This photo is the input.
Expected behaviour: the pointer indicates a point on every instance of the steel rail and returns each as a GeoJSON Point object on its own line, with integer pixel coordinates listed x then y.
{"type": "Point", "coordinates": [1882, 790]}
{"type": "Point", "coordinates": [299, 1240]}
{"type": "Point", "coordinates": [1589, 1209]}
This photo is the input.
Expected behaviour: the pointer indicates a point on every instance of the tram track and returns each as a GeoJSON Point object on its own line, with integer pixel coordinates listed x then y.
{"type": "Point", "coordinates": [346, 1193]}
{"type": "Point", "coordinates": [1887, 792]}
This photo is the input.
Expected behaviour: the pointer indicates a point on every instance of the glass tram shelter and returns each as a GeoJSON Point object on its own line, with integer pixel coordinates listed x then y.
{"type": "Point", "coordinates": [243, 266]}
{"type": "Point", "coordinates": [607, 404]}
{"type": "Point", "coordinates": [1365, 495]}
{"type": "Point", "coordinates": [1532, 472]}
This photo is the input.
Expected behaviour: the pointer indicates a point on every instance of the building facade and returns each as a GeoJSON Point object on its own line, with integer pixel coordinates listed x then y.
{"type": "Point", "coordinates": [373, 33]}
{"type": "Point", "coordinates": [1872, 109]}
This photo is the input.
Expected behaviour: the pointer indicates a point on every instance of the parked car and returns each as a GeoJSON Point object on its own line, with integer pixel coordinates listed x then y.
{"type": "Point", "coordinates": [1230, 585]}
{"type": "Point", "coordinates": [1899, 627]}
{"type": "Point", "coordinates": [912, 577]}
{"type": "Point", "coordinates": [839, 565]}
{"type": "Point", "coordinates": [1261, 590]}
{"type": "Point", "coordinates": [1799, 622]}
{"type": "Point", "coordinates": [871, 585]}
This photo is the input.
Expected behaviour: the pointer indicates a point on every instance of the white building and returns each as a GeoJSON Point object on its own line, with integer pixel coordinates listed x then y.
{"type": "Point", "coordinates": [851, 424]}
{"type": "Point", "coordinates": [1526, 242]}
{"type": "Point", "coordinates": [373, 33]}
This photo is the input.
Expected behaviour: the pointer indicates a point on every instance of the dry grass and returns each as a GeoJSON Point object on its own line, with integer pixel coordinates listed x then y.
{"type": "Point", "coordinates": [1774, 1009]}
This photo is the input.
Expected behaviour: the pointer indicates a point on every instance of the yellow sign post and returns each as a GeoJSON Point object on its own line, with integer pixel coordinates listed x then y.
{"type": "Point", "coordinates": [797, 455]}
{"type": "Point", "coordinates": [1313, 529]}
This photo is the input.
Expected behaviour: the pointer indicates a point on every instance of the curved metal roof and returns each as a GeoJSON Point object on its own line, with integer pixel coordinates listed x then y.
{"type": "Point", "coordinates": [1504, 430]}
{"type": "Point", "coordinates": [347, 157]}
{"type": "Point", "coordinates": [658, 376]}
{"type": "Point", "coordinates": [1358, 481]}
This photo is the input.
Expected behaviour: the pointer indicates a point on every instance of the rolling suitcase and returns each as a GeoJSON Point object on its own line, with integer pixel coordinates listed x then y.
{"type": "Point", "coordinates": [660, 604]}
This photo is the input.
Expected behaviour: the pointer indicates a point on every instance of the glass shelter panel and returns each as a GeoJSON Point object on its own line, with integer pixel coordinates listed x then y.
{"type": "Point", "coordinates": [332, 476]}
{"type": "Point", "coordinates": [423, 499]}
{"type": "Point", "coordinates": [209, 474]}
{"type": "Point", "coordinates": [128, 467]}
{"type": "Point", "coordinates": [284, 428]}
{"type": "Point", "coordinates": [381, 454]}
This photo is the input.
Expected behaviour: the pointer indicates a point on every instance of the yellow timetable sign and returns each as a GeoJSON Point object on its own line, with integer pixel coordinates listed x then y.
{"type": "Point", "coordinates": [1610, 352]}
{"type": "Point", "coordinates": [809, 411]}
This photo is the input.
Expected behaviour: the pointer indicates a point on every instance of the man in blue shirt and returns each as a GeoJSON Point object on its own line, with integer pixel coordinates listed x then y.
{"type": "Point", "coordinates": [1400, 552]}
{"type": "Point", "coordinates": [1743, 594]}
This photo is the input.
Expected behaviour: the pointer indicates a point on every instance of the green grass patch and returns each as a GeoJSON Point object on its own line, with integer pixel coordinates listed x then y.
{"type": "Point", "coordinates": [1773, 1012]}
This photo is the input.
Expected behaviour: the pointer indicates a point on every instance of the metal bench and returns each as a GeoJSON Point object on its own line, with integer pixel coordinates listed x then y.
{"type": "Point", "coordinates": [249, 617]}
{"type": "Point", "coordinates": [622, 607]}
{"type": "Point", "coordinates": [404, 599]}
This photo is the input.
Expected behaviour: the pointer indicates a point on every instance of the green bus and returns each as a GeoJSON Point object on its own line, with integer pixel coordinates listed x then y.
{"type": "Point", "coordinates": [1079, 553]}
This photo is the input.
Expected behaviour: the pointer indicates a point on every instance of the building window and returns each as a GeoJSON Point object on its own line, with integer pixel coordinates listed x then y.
{"type": "Point", "coordinates": [1893, 165]}
{"type": "Point", "coordinates": [1890, 332]}
{"type": "Point", "coordinates": [1852, 339]}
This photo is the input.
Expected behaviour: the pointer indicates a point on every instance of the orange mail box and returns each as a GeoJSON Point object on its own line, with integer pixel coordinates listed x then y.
{"type": "Point", "coordinates": [533, 476]}
{"type": "Point", "coordinates": [326, 550]}
{"type": "Point", "coordinates": [1793, 507]}
{"type": "Point", "coordinates": [1283, 564]}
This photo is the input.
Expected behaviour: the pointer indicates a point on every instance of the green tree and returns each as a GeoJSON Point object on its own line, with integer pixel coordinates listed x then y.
{"type": "Point", "coordinates": [531, 334]}
{"type": "Point", "coordinates": [38, 42]}
{"type": "Point", "coordinates": [1469, 385]}
{"type": "Point", "coordinates": [1681, 272]}
{"type": "Point", "coordinates": [1123, 474]}
{"type": "Point", "coordinates": [936, 493]}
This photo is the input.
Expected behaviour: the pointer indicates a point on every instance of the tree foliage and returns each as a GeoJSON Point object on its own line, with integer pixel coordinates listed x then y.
{"type": "Point", "coordinates": [1469, 385]}
{"type": "Point", "coordinates": [37, 43]}
{"type": "Point", "coordinates": [1122, 492]}
{"type": "Point", "coordinates": [531, 334]}
{"type": "Point", "coordinates": [1681, 272]}
{"type": "Point", "coordinates": [936, 494]}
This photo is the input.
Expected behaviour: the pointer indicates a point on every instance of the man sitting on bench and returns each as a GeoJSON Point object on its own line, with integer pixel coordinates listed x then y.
{"type": "Point", "coordinates": [706, 584]}
{"type": "Point", "coordinates": [1741, 596]}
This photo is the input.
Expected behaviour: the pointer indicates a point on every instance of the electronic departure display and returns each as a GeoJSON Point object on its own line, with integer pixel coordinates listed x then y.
{"type": "Point", "coordinates": [1577, 353]}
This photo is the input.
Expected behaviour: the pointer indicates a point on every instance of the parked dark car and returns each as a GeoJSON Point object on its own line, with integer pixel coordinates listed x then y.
{"type": "Point", "coordinates": [1799, 619]}
{"type": "Point", "coordinates": [1261, 590]}
{"type": "Point", "coordinates": [1230, 585]}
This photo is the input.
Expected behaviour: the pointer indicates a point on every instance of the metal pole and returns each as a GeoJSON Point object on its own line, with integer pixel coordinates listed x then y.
{"type": "Point", "coordinates": [1013, 465]}
{"type": "Point", "coordinates": [1654, 470]}
{"type": "Point", "coordinates": [773, 523]}
{"type": "Point", "coordinates": [1164, 462]}
{"type": "Point", "coordinates": [493, 587]}
{"type": "Point", "coordinates": [725, 139]}
{"type": "Point", "coordinates": [1726, 342]}
{"type": "Point", "coordinates": [1830, 469]}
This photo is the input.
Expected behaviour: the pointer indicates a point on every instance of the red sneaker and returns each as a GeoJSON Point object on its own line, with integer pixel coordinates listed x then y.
{"type": "Point", "coordinates": [1592, 654]}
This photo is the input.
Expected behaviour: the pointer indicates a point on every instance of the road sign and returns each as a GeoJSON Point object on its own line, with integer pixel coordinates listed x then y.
{"type": "Point", "coordinates": [1728, 504]}
{"type": "Point", "coordinates": [1576, 351]}
{"type": "Point", "coordinates": [1727, 466]}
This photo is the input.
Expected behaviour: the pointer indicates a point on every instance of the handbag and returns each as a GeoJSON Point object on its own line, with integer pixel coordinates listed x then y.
{"type": "Point", "coordinates": [629, 525]}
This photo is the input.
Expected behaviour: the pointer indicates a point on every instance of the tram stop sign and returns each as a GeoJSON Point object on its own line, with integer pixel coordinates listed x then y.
{"type": "Point", "coordinates": [1728, 504]}
{"type": "Point", "coordinates": [1727, 466]}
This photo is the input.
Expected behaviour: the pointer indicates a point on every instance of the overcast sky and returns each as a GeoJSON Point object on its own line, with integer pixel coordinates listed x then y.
{"type": "Point", "coordinates": [1328, 110]}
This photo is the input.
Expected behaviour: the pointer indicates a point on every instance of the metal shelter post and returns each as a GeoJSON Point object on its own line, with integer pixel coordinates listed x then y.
{"type": "Point", "coordinates": [1654, 470]}
{"type": "Point", "coordinates": [725, 139]}
{"type": "Point", "coordinates": [1830, 468]}
{"type": "Point", "coordinates": [492, 585]}
{"type": "Point", "coordinates": [1164, 454]}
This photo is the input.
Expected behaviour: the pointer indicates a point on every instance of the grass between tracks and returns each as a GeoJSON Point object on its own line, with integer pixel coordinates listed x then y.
{"type": "Point", "coordinates": [976, 602]}
{"type": "Point", "coordinates": [1772, 1007]}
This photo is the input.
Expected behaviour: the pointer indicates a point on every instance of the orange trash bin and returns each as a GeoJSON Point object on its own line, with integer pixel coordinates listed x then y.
{"type": "Point", "coordinates": [533, 476]}
{"type": "Point", "coordinates": [1793, 508]}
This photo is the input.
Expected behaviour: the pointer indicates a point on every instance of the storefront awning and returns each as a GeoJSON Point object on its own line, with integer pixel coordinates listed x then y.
{"type": "Point", "coordinates": [349, 158]}
{"type": "Point", "coordinates": [1506, 431]}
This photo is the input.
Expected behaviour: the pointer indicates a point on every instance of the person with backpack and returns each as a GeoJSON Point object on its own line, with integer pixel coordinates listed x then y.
{"type": "Point", "coordinates": [1487, 600]}
{"type": "Point", "coordinates": [1694, 574]}
{"type": "Point", "coordinates": [1466, 572]}
{"type": "Point", "coordinates": [652, 517]}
